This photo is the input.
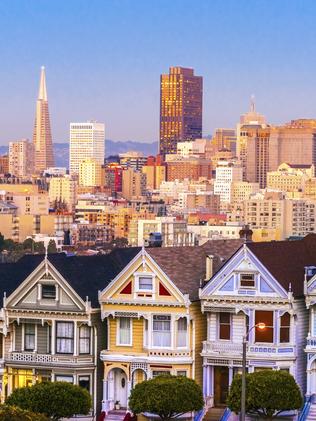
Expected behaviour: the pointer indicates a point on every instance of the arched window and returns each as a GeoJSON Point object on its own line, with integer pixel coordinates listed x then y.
{"type": "Point", "coordinates": [285, 324]}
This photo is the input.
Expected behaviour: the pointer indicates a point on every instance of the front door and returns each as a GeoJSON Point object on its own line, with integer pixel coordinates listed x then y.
{"type": "Point", "coordinates": [120, 387]}
{"type": "Point", "coordinates": [221, 385]}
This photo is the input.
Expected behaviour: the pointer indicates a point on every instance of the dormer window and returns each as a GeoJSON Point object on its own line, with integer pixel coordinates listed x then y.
{"type": "Point", "coordinates": [145, 283]}
{"type": "Point", "coordinates": [49, 291]}
{"type": "Point", "coordinates": [247, 280]}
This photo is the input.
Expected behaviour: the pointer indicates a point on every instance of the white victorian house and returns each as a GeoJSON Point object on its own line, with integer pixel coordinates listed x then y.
{"type": "Point", "coordinates": [261, 282]}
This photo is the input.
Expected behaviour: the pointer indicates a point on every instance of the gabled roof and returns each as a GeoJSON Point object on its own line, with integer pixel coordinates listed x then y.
{"type": "Point", "coordinates": [186, 266]}
{"type": "Point", "coordinates": [286, 260]}
{"type": "Point", "coordinates": [85, 274]}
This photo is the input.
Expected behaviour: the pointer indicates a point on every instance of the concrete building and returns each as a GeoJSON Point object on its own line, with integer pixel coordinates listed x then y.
{"type": "Point", "coordinates": [28, 203]}
{"type": "Point", "coordinates": [242, 190]}
{"type": "Point", "coordinates": [42, 137]}
{"type": "Point", "coordinates": [191, 167]}
{"type": "Point", "coordinates": [21, 158]}
{"type": "Point", "coordinates": [290, 178]}
{"type": "Point", "coordinates": [133, 184]}
{"type": "Point", "coordinates": [87, 140]}
{"type": "Point", "coordinates": [225, 139]}
{"type": "Point", "coordinates": [226, 173]}
{"type": "Point", "coordinates": [155, 172]}
{"type": "Point", "coordinates": [4, 164]}
{"type": "Point", "coordinates": [133, 159]}
{"type": "Point", "coordinates": [90, 173]}
{"type": "Point", "coordinates": [181, 95]}
{"type": "Point", "coordinates": [64, 190]}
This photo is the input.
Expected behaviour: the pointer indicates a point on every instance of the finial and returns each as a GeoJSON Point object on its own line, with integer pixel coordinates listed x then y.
{"type": "Point", "coordinates": [290, 287]}
{"type": "Point", "coordinates": [46, 257]}
{"type": "Point", "coordinates": [252, 104]}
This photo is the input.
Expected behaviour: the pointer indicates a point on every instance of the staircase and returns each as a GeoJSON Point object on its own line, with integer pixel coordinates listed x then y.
{"type": "Point", "coordinates": [311, 416]}
{"type": "Point", "coordinates": [116, 415]}
{"type": "Point", "coordinates": [214, 414]}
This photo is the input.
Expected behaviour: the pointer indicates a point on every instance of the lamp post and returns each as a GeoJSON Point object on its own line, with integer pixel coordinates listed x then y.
{"type": "Point", "coordinates": [260, 326]}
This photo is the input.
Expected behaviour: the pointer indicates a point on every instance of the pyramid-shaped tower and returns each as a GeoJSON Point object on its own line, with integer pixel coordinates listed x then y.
{"type": "Point", "coordinates": [42, 136]}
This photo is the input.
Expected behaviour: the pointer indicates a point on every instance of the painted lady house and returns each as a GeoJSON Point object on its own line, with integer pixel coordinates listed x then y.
{"type": "Point", "coordinates": [261, 283]}
{"type": "Point", "coordinates": [51, 324]}
{"type": "Point", "coordinates": [154, 318]}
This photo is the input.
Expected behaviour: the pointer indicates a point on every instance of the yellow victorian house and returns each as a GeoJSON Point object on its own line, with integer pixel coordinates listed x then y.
{"type": "Point", "coordinates": [154, 319]}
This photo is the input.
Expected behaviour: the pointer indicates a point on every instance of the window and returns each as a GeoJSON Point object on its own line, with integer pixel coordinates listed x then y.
{"type": "Point", "coordinates": [224, 326]}
{"type": "Point", "coordinates": [264, 335]}
{"type": "Point", "coordinates": [84, 340]}
{"type": "Point", "coordinates": [247, 280]}
{"type": "Point", "coordinates": [285, 323]}
{"type": "Point", "coordinates": [124, 334]}
{"type": "Point", "coordinates": [64, 378]}
{"type": "Point", "coordinates": [162, 331]}
{"type": "Point", "coordinates": [145, 283]}
{"type": "Point", "coordinates": [84, 381]}
{"type": "Point", "coordinates": [182, 373]}
{"type": "Point", "coordinates": [29, 337]}
{"type": "Point", "coordinates": [64, 337]}
{"type": "Point", "coordinates": [145, 333]}
{"type": "Point", "coordinates": [161, 373]}
{"type": "Point", "coordinates": [182, 332]}
{"type": "Point", "coordinates": [49, 291]}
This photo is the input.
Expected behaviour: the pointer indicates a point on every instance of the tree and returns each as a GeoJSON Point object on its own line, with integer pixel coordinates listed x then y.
{"type": "Point", "coordinates": [268, 393]}
{"type": "Point", "coordinates": [12, 413]}
{"type": "Point", "coordinates": [51, 248]}
{"type": "Point", "coordinates": [39, 247]}
{"type": "Point", "coordinates": [28, 244]}
{"type": "Point", "coordinates": [56, 400]}
{"type": "Point", "coordinates": [166, 396]}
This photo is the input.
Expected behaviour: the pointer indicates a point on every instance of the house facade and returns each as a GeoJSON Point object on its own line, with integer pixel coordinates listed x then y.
{"type": "Point", "coordinates": [260, 283]}
{"type": "Point", "coordinates": [154, 319]}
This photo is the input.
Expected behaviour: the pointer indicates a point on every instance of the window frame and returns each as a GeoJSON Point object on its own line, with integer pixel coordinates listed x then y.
{"type": "Point", "coordinates": [65, 338]}
{"type": "Point", "coordinates": [247, 274]}
{"type": "Point", "coordinates": [268, 329]}
{"type": "Point", "coordinates": [48, 297]}
{"type": "Point", "coordinates": [287, 327]}
{"type": "Point", "coordinates": [224, 324]}
{"type": "Point", "coordinates": [140, 275]}
{"type": "Point", "coordinates": [118, 329]}
{"type": "Point", "coordinates": [153, 331]}
{"type": "Point", "coordinates": [186, 333]}
{"type": "Point", "coordinates": [84, 338]}
{"type": "Point", "coordinates": [25, 334]}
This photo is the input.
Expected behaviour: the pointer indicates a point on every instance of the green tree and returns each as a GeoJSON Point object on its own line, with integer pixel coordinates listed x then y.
{"type": "Point", "coordinates": [39, 247]}
{"type": "Point", "coordinates": [12, 413]}
{"type": "Point", "coordinates": [28, 244]}
{"type": "Point", "coordinates": [166, 396]}
{"type": "Point", "coordinates": [9, 244]}
{"type": "Point", "coordinates": [268, 393]}
{"type": "Point", "coordinates": [51, 248]}
{"type": "Point", "coordinates": [55, 400]}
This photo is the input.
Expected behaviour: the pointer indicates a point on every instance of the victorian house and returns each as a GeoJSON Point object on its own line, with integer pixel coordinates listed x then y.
{"type": "Point", "coordinates": [261, 283]}
{"type": "Point", "coordinates": [154, 319]}
{"type": "Point", "coordinates": [50, 320]}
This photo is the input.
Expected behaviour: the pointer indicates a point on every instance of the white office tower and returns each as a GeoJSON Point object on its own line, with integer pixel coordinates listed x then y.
{"type": "Point", "coordinates": [87, 140]}
{"type": "Point", "coordinates": [226, 173]}
{"type": "Point", "coordinates": [21, 158]}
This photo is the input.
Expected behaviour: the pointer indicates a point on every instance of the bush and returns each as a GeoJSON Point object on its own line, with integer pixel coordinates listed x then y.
{"type": "Point", "coordinates": [166, 396]}
{"type": "Point", "coordinates": [11, 413]}
{"type": "Point", "coordinates": [56, 400]}
{"type": "Point", "coordinates": [268, 393]}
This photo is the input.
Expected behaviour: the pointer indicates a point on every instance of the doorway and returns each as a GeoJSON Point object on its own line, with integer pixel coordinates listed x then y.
{"type": "Point", "coordinates": [221, 385]}
{"type": "Point", "coordinates": [120, 387]}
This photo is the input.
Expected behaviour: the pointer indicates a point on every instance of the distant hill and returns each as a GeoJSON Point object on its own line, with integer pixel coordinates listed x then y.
{"type": "Point", "coordinates": [61, 150]}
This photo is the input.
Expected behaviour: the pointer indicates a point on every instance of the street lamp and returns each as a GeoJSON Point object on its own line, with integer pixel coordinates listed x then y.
{"type": "Point", "coordinates": [260, 326]}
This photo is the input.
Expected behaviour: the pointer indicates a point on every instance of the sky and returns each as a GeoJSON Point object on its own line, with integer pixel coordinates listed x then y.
{"type": "Point", "coordinates": [104, 58]}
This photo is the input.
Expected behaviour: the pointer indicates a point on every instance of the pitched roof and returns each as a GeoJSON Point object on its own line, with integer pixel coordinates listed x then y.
{"type": "Point", "coordinates": [85, 274]}
{"type": "Point", "coordinates": [186, 266]}
{"type": "Point", "coordinates": [286, 260]}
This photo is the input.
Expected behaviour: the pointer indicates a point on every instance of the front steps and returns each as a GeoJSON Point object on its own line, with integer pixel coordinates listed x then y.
{"type": "Point", "coordinates": [116, 415]}
{"type": "Point", "coordinates": [312, 413]}
{"type": "Point", "coordinates": [214, 414]}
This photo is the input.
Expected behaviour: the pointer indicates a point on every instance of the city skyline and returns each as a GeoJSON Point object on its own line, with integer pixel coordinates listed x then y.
{"type": "Point", "coordinates": [235, 60]}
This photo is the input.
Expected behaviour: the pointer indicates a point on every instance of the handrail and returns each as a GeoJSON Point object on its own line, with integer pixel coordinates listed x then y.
{"type": "Point", "coordinates": [226, 415]}
{"type": "Point", "coordinates": [199, 415]}
{"type": "Point", "coordinates": [304, 413]}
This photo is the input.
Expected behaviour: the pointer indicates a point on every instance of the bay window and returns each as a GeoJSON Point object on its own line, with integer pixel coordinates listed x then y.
{"type": "Point", "coordinates": [29, 337]}
{"type": "Point", "coordinates": [224, 326]}
{"type": "Point", "coordinates": [161, 331]}
{"type": "Point", "coordinates": [64, 337]}
{"type": "Point", "coordinates": [84, 339]}
{"type": "Point", "coordinates": [182, 332]}
{"type": "Point", "coordinates": [124, 331]}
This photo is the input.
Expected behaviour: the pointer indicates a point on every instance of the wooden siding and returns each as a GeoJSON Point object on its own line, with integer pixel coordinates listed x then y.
{"type": "Point", "coordinates": [42, 339]}
{"type": "Point", "coordinates": [300, 334]}
{"type": "Point", "coordinates": [200, 336]}
{"type": "Point", "coordinates": [18, 337]}
{"type": "Point", "coordinates": [137, 337]}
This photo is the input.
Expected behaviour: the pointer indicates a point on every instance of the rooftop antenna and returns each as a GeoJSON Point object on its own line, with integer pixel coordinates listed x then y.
{"type": "Point", "coordinates": [252, 104]}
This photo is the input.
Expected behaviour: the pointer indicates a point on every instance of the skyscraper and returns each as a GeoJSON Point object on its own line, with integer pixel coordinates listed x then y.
{"type": "Point", "coordinates": [42, 137]}
{"type": "Point", "coordinates": [87, 140]}
{"type": "Point", "coordinates": [21, 158]}
{"type": "Point", "coordinates": [180, 108]}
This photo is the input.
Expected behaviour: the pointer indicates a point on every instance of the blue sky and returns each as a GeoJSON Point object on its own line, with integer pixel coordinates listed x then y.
{"type": "Point", "coordinates": [103, 59]}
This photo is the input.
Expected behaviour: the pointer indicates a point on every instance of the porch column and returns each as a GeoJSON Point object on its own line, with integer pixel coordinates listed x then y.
{"type": "Point", "coordinates": [205, 367]}
{"type": "Point", "coordinates": [129, 387]}
{"type": "Point", "coordinates": [53, 337]}
{"type": "Point", "coordinates": [230, 375]}
{"type": "Point", "coordinates": [75, 338]}
{"type": "Point", "coordinates": [308, 388]}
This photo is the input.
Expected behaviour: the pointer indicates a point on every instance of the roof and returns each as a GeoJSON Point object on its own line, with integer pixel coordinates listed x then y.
{"type": "Point", "coordinates": [85, 274]}
{"type": "Point", "coordinates": [286, 260]}
{"type": "Point", "coordinates": [186, 266]}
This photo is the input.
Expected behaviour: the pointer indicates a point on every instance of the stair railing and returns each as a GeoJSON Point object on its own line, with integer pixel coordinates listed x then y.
{"type": "Point", "coordinates": [304, 413]}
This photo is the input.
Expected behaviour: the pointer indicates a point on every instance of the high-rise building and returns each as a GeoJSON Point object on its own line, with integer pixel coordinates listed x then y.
{"type": "Point", "coordinates": [225, 139]}
{"type": "Point", "coordinates": [87, 140]}
{"type": "Point", "coordinates": [21, 158]}
{"type": "Point", "coordinates": [4, 164]}
{"type": "Point", "coordinates": [90, 173]}
{"type": "Point", "coordinates": [226, 174]}
{"type": "Point", "coordinates": [133, 184]}
{"type": "Point", "coordinates": [180, 108]}
{"type": "Point", "coordinates": [155, 172]}
{"type": "Point", "coordinates": [42, 137]}
{"type": "Point", "coordinates": [63, 190]}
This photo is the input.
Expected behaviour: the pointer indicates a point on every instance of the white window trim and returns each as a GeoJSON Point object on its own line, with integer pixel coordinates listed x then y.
{"type": "Point", "coordinates": [172, 331]}
{"type": "Point", "coordinates": [255, 278]}
{"type": "Point", "coordinates": [118, 332]}
{"type": "Point", "coordinates": [219, 326]}
{"type": "Point", "coordinates": [186, 336]}
{"type": "Point", "coordinates": [145, 274]}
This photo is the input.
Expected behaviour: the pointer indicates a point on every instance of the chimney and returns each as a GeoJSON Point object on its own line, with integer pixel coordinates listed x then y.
{"type": "Point", "coordinates": [246, 234]}
{"type": "Point", "coordinates": [209, 267]}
